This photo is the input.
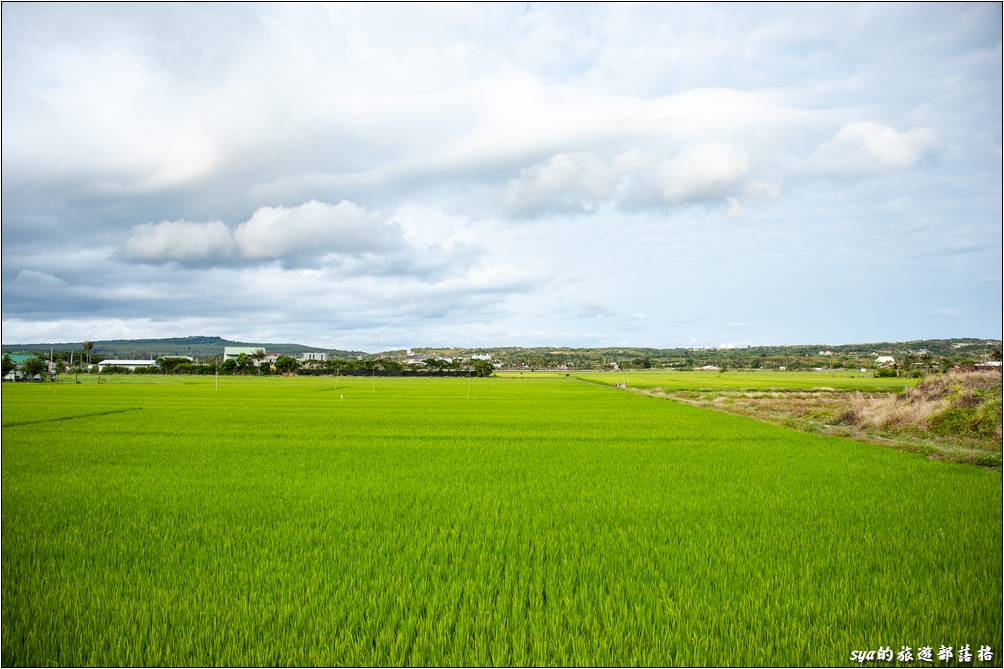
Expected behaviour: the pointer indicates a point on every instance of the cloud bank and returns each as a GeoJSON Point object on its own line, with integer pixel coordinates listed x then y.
{"type": "Point", "coordinates": [368, 177]}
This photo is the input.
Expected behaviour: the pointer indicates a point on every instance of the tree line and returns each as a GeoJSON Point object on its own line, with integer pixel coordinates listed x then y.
{"type": "Point", "coordinates": [256, 364]}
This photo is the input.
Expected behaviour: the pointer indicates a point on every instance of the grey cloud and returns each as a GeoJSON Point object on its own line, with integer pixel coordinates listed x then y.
{"type": "Point", "coordinates": [179, 240]}
{"type": "Point", "coordinates": [119, 294]}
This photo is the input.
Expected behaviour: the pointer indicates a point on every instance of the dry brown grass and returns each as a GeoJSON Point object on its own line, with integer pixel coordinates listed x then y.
{"type": "Point", "coordinates": [891, 412]}
{"type": "Point", "coordinates": [901, 420]}
{"type": "Point", "coordinates": [915, 407]}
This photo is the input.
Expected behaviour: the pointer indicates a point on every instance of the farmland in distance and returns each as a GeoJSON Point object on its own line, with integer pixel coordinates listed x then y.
{"type": "Point", "coordinates": [750, 380]}
{"type": "Point", "coordinates": [503, 521]}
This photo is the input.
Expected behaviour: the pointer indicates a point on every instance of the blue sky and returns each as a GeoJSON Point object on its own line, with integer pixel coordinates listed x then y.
{"type": "Point", "coordinates": [374, 177]}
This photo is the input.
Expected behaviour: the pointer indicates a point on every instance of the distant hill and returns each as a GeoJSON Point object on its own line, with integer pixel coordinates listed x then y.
{"type": "Point", "coordinates": [943, 347]}
{"type": "Point", "coordinates": [799, 356]}
{"type": "Point", "coordinates": [193, 346]}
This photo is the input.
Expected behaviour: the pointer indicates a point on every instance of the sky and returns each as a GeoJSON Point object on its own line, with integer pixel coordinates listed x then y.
{"type": "Point", "coordinates": [390, 176]}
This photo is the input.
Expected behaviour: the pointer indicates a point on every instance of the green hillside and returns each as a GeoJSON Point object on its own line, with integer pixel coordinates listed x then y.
{"type": "Point", "coordinates": [193, 346]}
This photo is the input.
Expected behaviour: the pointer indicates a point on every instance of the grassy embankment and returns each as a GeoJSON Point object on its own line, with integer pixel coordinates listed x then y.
{"type": "Point", "coordinates": [541, 521]}
{"type": "Point", "coordinates": [955, 417]}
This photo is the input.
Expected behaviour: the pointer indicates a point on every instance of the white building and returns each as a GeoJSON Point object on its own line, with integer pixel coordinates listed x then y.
{"type": "Point", "coordinates": [131, 365]}
{"type": "Point", "coordinates": [885, 361]}
{"type": "Point", "coordinates": [418, 359]}
{"type": "Point", "coordinates": [233, 352]}
{"type": "Point", "coordinates": [319, 356]}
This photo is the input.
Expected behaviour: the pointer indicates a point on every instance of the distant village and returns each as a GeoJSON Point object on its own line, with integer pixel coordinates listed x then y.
{"type": "Point", "coordinates": [239, 360]}
{"type": "Point", "coordinates": [909, 359]}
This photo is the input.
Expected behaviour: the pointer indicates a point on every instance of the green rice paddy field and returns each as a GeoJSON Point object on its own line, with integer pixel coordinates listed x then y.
{"type": "Point", "coordinates": [159, 521]}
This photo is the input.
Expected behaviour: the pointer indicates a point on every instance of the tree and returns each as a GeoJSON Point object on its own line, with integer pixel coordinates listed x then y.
{"type": "Point", "coordinates": [243, 363]}
{"type": "Point", "coordinates": [169, 364]}
{"type": "Point", "coordinates": [258, 355]}
{"type": "Point", "coordinates": [434, 364]}
{"type": "Point", "coordinates": [88, 347]}
{"type": "Point", "coordinates": [228, 366]}
{"type": "Point", "coordinates": [336, 365]}
{"type": "Point", "coordinates": [389, 365]}
{"type": "Point", "coordinates": [8, 364]}
{"type": "Point", "coordinates": [482, 368]}
{"type": "Point", "coordinates": [286, 365]}
{"type": "Point", "coordinates": [34, 367]}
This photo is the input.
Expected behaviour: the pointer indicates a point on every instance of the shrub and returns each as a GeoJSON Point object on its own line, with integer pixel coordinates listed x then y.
{"type": "Point", "coordinates": [962, 422]}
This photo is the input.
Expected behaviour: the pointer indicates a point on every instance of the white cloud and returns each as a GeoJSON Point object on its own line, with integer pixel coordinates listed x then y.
{"type": "Point", "coordinates": [35, 279]}
{"type": "Point", "coordinates": [868, 146]}
{"type": "Point", "coordinates": [564, 183]}
{"type": "Point", "coordinates": [706, 170]}
{"type": "Point", "coordinates": [308, 230]}
{"type": "Point", "coordinates": [315, 228]}
{"type": "Point", "coordinates": [582, 182]}
{"type": "Point", "coordinates": [179, 240]}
